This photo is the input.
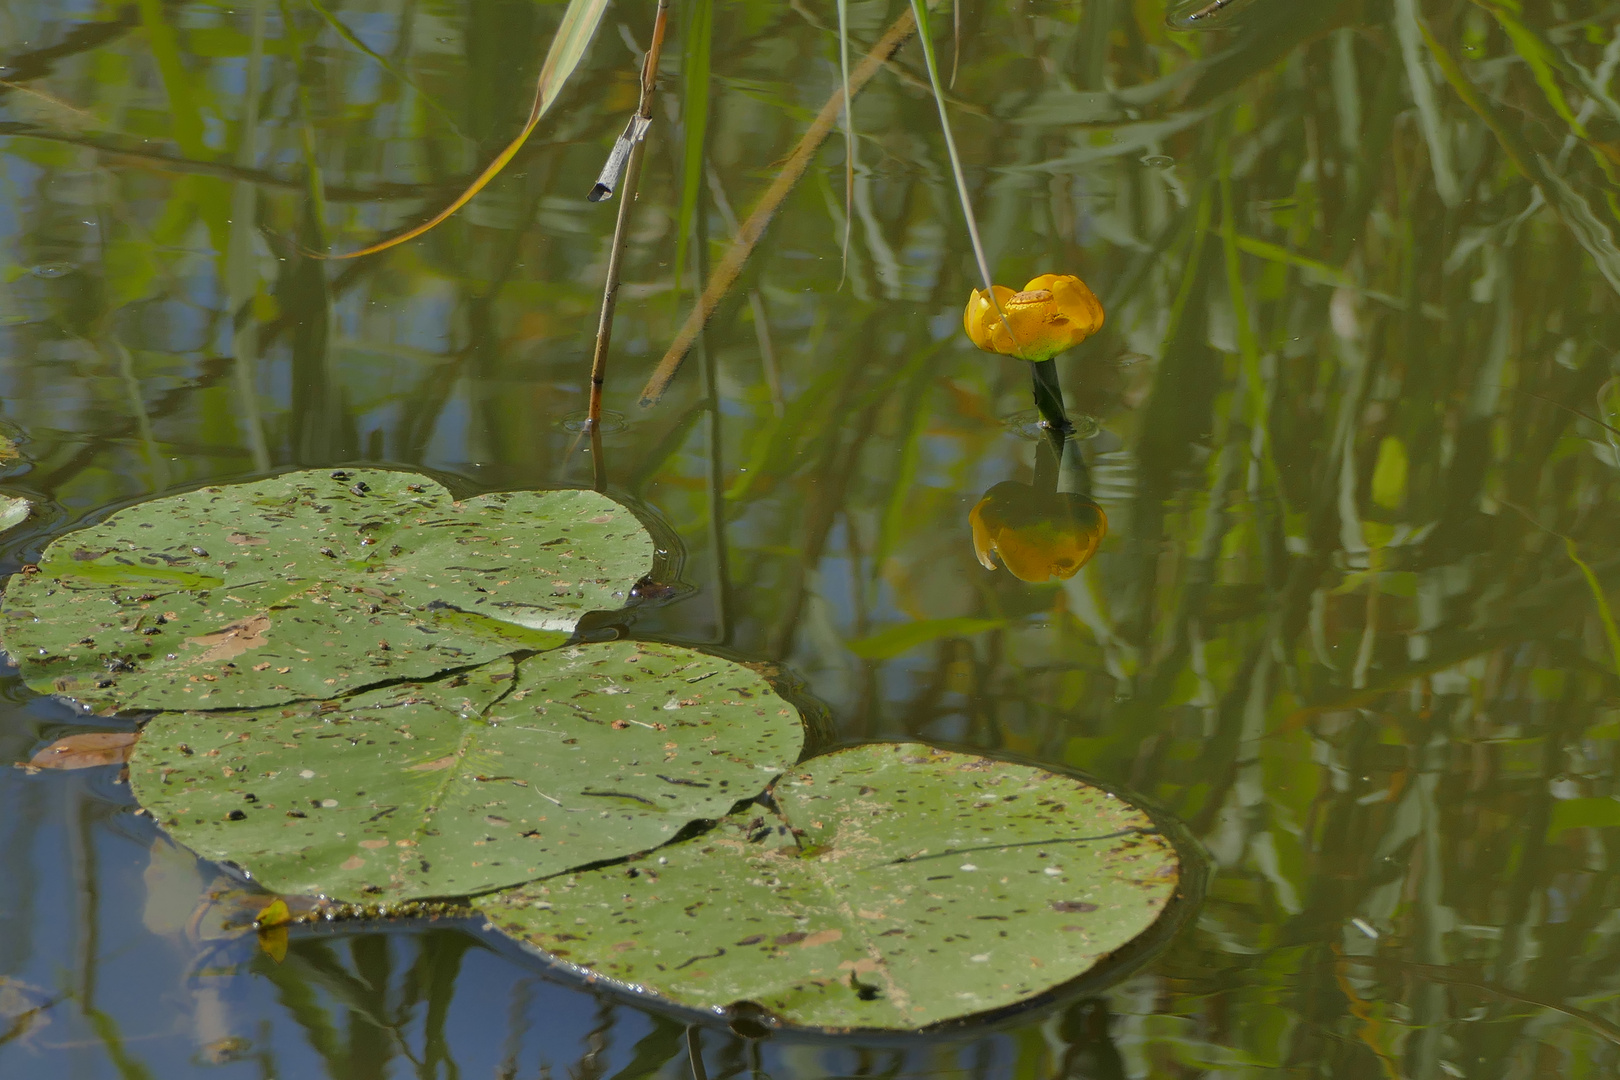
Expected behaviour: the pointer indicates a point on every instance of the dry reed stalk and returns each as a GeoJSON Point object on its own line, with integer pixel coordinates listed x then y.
{"type": "Point", "coordinates": [621, 227]}
{"type": "Point", "coordinates": [748, 236]}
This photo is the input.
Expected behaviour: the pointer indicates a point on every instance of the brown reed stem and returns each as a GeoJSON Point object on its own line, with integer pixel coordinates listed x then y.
{"type": "Point", "coordinates": [621, 227]}
{"type": "Point", "coordinates": [725, 275]}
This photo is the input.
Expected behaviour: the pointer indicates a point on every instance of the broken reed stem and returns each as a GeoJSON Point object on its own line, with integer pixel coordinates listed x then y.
{"type": "Point", "coordinates": [610, 291]}
{"type": "Point", "coordinates": [793, 170]}
{"type": "Point", "coordinates": [621, 226]}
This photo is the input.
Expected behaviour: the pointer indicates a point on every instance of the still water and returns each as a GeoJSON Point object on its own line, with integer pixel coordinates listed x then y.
{"type": "Point", "coordinates": [1350, 418]}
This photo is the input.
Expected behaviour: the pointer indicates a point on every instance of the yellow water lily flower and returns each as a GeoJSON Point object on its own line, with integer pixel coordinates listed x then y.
{"type": "Point", "coordinates": [1037, 537]}
{"type": "Point", "coordinates": [1053, 313]}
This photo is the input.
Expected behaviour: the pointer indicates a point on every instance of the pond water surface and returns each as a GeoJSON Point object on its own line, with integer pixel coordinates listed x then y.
{"type": "Point", "coordinates": [1349, 417]}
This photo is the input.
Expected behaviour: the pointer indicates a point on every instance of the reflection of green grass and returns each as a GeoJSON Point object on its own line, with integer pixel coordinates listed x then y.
{"type": "Point", "coordinates": [1600, 599]}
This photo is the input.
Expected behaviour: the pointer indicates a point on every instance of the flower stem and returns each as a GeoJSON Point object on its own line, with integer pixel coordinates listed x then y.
{"type": "Point", "coordinates": [1049, 402]}
{"type": "Point", "coordinates": [1072, 474]}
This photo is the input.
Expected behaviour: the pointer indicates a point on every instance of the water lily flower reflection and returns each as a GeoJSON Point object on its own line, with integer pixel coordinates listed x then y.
{"type": "Point", "coordinates": [1038, 537]}
{"type": "Point", "coordinates": [1053, 313]}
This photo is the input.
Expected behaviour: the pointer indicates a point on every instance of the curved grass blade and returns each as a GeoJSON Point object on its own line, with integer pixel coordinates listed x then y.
{"type": "Point", "coordinates": [1610, 631]}
{"type": "Point", "coordinates": [849, 136]}
{"type": "Point", "coordinates": [1446, 184]}
{"type": "Point", "coordinates": [697, 49]}
{"type": "Point", "coordinates": [1571, 206]}
{"type": "Point", "coordinates": [925, 37]}
{"type": "Point", "coordinates": [574, 33]}
{"type": "Point", "coordinates": [349, 36]}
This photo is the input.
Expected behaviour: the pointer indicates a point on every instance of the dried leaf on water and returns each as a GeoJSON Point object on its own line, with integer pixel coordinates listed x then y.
{"type": "Point", "coordinates": [574, 34]}
{"type": "Point", "coordinates": [14, 510]}
{"type": "Point", "coordinates": [87, 750]}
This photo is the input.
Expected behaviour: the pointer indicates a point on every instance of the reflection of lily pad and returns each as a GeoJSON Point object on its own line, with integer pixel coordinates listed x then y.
{"type": "Point", "coordinates": [900, 887]}
{"type": "Point", "coordinates": [13, 510]}
{"type": "Point", "coordinates": [481, 780]}
{"type": "Point", "coordinates": [310, 585]}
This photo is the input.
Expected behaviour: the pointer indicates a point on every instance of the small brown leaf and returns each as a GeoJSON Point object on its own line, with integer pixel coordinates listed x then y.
{"type": "Point", "coordinates": [434, 765]}
{"type": "Point", "coordinates": [87, 750]}
{"type": "Point", "coordinates": [1070, 906]}
{"type": "Point", "coordinates": [229, 642]}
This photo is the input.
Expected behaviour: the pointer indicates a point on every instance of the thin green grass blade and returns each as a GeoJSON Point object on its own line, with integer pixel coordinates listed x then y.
{"type": "Point", "coordinates": [1248, 344]}
{"type": "Point", "coordinates": [925, 36]}
{"type": "Point", "coordinates": [349, 36]}
{"type": "Point", "coordinates": [956, 40]}
{"type": "Point", "coordinates": [1547, 62]}
{"type": "Point", "coordinates": [896, 640]}
{"type": "Point", "coordinates": [185, 118]}
{"type": "Point", "coordinates": [1571, 206]}
{"type": "Point", "coordinates": [1446, 184]}
{"type": "Point", "coordinates": [890, 533]}
{"type": "Point", "coordinates": [1540, 56]}
{"type": "Point", "coordinates": [574, 33]}
{"type": "Point", "coordinates": [697, 49]}
{"type": "Point", "coordinates": [849, 135]}
{"type": "Point", "coordinates": [1609, 629]}
{"type": "Point", "coordinates": [1265, 249]}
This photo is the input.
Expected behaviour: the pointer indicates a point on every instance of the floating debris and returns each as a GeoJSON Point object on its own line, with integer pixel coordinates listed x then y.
{"type": "Point", "coordinates": [1205, 14]}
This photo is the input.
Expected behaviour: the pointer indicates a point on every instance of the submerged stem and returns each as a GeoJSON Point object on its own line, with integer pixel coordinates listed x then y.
{"type": "Point", "coordinates": [1048, 397]}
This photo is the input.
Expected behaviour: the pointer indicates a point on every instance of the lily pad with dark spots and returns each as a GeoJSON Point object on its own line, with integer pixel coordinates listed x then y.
{"type": "Point", "coordinates": [897, 887]}
{"type": "Point", "coordinates": [311, 585]}
{"type": "Point", "coordinates": [474, 782]}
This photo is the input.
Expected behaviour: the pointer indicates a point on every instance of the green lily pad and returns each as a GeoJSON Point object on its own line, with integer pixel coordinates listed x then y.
{"type": "Point", "coordinates": [311, 585]}
{"type": "Point", "coordinates": [13, 511]}
{"type": "Point", "coordinates": [486, 778]}
{"type": "Point", "coordinates": [897, 887]}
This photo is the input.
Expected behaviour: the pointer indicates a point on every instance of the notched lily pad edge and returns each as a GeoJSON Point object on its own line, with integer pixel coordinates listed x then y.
{"type": "Point", "coordinates": [662, 585]}
{"type": "Point", "coordinates": [749, 1020]}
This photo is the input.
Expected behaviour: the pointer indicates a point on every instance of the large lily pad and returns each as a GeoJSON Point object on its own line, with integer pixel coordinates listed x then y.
{"type": "Point", "coordinates": [477, 781]}
{"type": "Point", "coordinates": [310, 585]}
{"type": "Point", "coordinates": [898, 887]}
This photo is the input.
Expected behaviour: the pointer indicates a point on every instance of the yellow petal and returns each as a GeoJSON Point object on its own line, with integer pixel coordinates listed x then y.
{"type": "Point", "coordinates": [981, 320]}
{"type": "Point", "coordinates": [1036, 537]}
{"type": "Point", "coordinates": [1079, 304]}
{"type": "Point", "coordinates": [983, 545]}
{"type": "Point", "coordinates": [1054, 312]}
